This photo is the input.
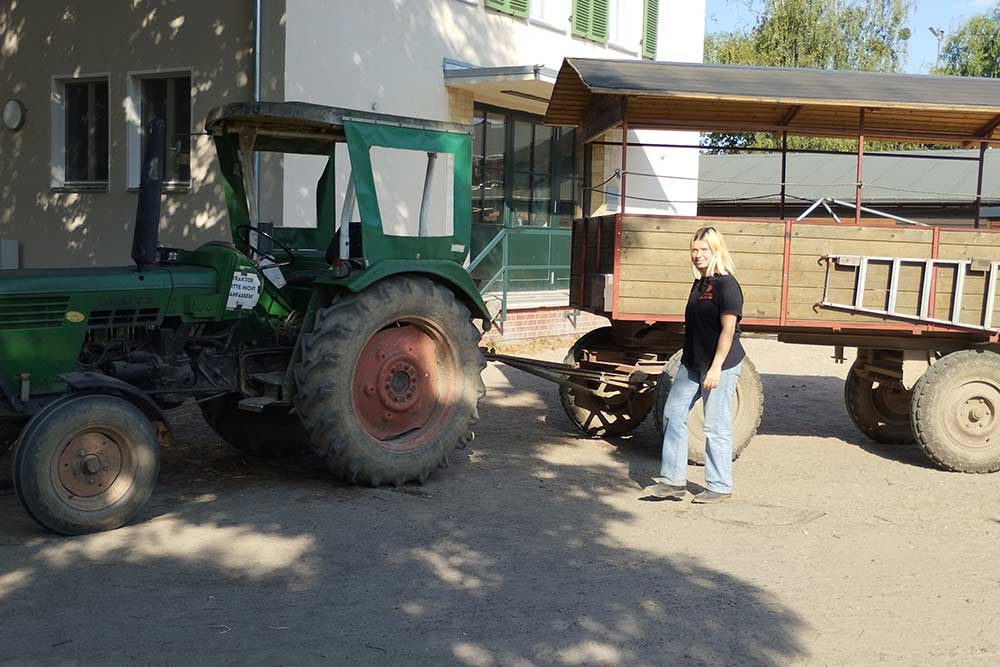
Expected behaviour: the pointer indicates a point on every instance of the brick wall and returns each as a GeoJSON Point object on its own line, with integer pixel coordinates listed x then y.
{"type": "Point", "coordinates": [542, 322]}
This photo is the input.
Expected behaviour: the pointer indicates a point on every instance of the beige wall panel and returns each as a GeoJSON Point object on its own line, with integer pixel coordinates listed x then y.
{"type": "Point", "coordinates": [687, 226]}
{"type": "Point", "coordinates": [858, 234]}
{"type": "Point", "coordinates": [737, 244]}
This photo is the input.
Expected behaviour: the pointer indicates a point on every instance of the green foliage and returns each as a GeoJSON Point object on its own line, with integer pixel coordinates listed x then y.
{"type": "Point", "coordinates": [863, 35]}
{"type": "Point", "coordinates": [974, 49]}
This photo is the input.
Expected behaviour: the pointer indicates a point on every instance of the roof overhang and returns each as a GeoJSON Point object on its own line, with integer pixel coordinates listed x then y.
{"type": "Point", "coordinates": [600, 94]}
{"type": "Point", "coordinates": [522, 87]}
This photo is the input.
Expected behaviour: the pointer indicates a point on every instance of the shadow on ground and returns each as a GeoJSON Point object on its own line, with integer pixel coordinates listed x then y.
{"type": "Point", "coordinates": [504, 559]}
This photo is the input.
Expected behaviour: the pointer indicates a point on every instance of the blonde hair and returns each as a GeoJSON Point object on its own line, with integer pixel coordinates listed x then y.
{"type": "Point", "coordinates": [722, 262]}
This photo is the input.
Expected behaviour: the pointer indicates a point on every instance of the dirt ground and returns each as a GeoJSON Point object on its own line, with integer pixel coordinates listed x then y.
{"type": "Point", "coordinates": [532, 550]}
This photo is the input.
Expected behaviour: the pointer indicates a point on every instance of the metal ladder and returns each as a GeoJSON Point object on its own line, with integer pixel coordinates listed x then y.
{"type": "Point", "coordinates": [961, 266]}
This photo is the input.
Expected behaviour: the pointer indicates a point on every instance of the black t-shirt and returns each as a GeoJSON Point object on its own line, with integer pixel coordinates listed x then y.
{"type": "Point", "coordinates": [711, 297]}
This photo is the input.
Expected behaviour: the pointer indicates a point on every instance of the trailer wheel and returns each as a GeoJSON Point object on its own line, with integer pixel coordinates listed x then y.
{"type": "Point", "coordinates": [389, 381]}
{"type": "Point", "coordinates": [748, 406]}
{"type": "Point", "coordinates": [880, 410]}
{"type": "Point", "coordinates": [956, 411]}
{"type": "Point", "coordinates": [275, 432]}
{"type": "Point", "coordinates": [86, 464]}
{"type": "Point", "coordinates": [617, 414]}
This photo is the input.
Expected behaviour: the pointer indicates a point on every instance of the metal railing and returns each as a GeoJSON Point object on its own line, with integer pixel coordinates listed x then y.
{"type": "Point", "coordinates": [502, 276]}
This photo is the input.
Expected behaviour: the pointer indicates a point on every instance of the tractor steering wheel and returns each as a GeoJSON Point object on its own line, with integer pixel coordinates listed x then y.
{"type": "Point", "coordinates": [242, 233]}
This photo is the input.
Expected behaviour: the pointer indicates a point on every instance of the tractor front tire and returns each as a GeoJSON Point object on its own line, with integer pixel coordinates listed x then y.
{"type": "Point", "coordinates": [748, 407]}
{"type": "Point", "coordinates": [956, 411]}
{"type": "Point", "coordinates": [616, 413]}
{"type": "Point", "coordinates": [275, 432]}
{"type": "Point", "coordinates": [389, 381]}
{"type": "Point", "coordinates": [86, 464]}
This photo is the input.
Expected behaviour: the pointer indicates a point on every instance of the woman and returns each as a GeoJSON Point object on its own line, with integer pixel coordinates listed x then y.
{"type": "Point", "coordinates": [710, 370]}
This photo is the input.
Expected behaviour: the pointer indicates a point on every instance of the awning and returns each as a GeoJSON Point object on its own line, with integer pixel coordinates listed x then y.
{"type": "Point", "coordinates": [660, 95]}
{"type": "Point", "coordinates": [521, 87]}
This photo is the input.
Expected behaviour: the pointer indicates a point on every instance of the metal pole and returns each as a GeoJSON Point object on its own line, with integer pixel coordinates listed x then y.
{"type": "Point", "coordinates": [784, 155]}
{"type": "Point", "coordinates": [346, 214]}
{"type": "Point", "coordinates": [425, 201]}
{"type": "Point", "coordinates": [257, 60]}
{"type": "Point", "coordinates": [861, 154]}
{"type": "Point", "coordinates": [979, 181]}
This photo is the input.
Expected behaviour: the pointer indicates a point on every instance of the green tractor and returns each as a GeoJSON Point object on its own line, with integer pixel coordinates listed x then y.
{"type": "Point", "coordinates": [344, 339]}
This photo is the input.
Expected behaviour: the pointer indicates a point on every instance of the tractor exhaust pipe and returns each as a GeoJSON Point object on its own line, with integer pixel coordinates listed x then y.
{"type": "Point", "coordinates": [147, 214]}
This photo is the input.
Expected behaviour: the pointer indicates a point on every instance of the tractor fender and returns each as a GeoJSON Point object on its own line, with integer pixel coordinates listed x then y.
{"type": "Point", "coordinates": [448, 273]}
{"type": "Point", "coordinates": [98, 383]}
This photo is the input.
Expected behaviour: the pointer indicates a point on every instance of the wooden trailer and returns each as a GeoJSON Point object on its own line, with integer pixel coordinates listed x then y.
{"type": "Point", "coordinates": [918, 302]}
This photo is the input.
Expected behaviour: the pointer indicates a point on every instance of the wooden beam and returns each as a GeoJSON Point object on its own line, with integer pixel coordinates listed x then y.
{"type": "Point", "coordinates": [790, 116]}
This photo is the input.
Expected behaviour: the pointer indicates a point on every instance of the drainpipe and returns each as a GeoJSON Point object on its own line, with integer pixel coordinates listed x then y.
{"type": "Point", "coordinates": [256, 95]}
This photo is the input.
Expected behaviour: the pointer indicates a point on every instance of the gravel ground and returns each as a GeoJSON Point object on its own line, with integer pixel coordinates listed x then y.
{"type": "Point", "coordinates": [533, 549]}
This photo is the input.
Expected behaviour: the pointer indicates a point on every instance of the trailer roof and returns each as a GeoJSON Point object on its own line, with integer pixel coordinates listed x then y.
{"type": "Point", "coordinates": [599, 94]}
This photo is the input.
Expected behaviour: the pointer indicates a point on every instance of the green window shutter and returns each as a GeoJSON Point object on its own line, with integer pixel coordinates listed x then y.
{"type": "Point", "coordinates": [582, 10]}
{"type": "Point", "coordinates": [513, 7]}
{"type": "Point", "coordinates": [650, 16]}
{"type": "Point", "coordinates": [599, 21]}
{"type": "Point", "coordinates": [590, 19]}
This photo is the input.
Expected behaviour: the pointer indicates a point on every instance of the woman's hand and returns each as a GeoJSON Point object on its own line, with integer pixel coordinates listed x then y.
{"type": "Point", "coordinates": [712, 378]}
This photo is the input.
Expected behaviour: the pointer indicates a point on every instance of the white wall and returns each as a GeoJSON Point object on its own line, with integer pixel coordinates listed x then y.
{"type": "Point", "coordinates": [387, 55]}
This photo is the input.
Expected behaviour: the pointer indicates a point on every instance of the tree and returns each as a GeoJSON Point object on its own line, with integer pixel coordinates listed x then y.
{"type": "Point", "coordinates": [974, 49]}
{"type": "Point", "coordinates": [863, 35]}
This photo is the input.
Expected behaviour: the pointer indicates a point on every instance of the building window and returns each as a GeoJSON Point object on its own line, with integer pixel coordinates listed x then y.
{"type": "Point", "coordinates": [625, 24]}
{"type": "Point", "coordinates": [554, 13]}
{"type": "Point", "coordinates": [168, 97]}
{"type": "Point", "coordinates": [525, 188]}
{"type": "Point", "coordinates": [513, 7]}
{"type": "Point", "coordinates": [80, 124]}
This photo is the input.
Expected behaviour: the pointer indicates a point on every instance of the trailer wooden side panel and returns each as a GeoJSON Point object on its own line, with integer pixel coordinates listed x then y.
{"type": "Point", "coordinates": [638, 267]}
{"type": "Point", "coordinates": [654, 271]}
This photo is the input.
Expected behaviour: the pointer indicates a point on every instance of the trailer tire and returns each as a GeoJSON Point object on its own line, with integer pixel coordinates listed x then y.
{"type": "Point", "coordinates": [956, 411]}
{"type": "Point", "coordinates": [880, 412]}
{"type": "Point", "coordinates": [595, 416]}
{"type": "Point", "coordinates": [748, 407]}
{"type": "Point", "coordinates": [390, 380]}
{"type": "Point", "coordinates": [273, 433]}
{"type": "Point", "coordinates": [86, 463]}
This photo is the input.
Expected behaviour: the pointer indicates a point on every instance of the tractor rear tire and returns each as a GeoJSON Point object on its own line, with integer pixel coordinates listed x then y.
{"type": "Point", "coordinates": [880, 410]}
{"type": "Point", "coordinates": [956, 411]}
{"type": "Point", "coordinates": [273, 433]}
{"type": "Point", "coordinates": [390, 380]}
{"type": "Point", "coordinates": [602, 416]}
{"type": "Point", "coordinates": [748, 407]}
{"type": "Point", "coordinates": [86, 464]}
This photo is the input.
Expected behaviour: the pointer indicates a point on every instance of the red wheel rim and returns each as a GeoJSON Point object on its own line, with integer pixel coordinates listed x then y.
{"type": "Point", "coordinates": [89, 465]}
{"type": "Point", "coordinates": [402, 386]}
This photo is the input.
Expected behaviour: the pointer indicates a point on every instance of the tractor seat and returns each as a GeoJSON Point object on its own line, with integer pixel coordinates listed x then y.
{"type": "Point", "coordinates": [300, 278]}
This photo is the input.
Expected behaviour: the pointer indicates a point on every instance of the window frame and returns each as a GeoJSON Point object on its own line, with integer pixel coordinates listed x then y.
{"type": "Point", "coordinates": [57, 158]}
{"type": "Point", "coordinates": [133, 120]}
{"type": "Point", "coordinates": [614, 41]}
{"type": "Point", "coordinates": [545, 23]}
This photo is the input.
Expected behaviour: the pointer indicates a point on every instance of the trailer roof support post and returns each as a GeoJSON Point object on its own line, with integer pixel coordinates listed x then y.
{"type": "Point", "coordinates": [624, 151]}
{"type": "Point", "coordinates": [784, 156]}
{"type": "Point", "coordinates": [979, 180]}
{"type": "Point", "coordinates": [861, 154]}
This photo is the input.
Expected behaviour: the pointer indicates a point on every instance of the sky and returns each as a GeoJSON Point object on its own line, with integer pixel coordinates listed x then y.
{"type": "Point", "coordinates": [948, 15]}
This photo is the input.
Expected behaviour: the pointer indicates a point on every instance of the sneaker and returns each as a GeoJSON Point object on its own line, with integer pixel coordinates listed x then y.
{"type": "Point", "coordinates": [708, 496]}
{"type": "Point", "coordinates": [664, 491]}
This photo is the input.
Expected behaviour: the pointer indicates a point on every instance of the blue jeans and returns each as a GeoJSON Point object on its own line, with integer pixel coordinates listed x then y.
{"type": "Point", "coordinates": [684, 393]}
